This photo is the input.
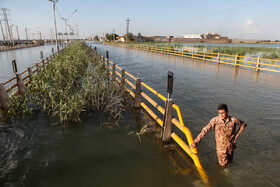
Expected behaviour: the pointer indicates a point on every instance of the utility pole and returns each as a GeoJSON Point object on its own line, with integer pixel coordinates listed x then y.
{"type": "Point", "coordinates": [127, 28]}
{"type": "Point", "coordinates": [12, 35]}
{"type": "Point", "coordinates": [2, 32]}
{"type": "Point", "coordinates": [7, 22]}
{"type": "Point", "coordinates": [17, 34]}
{"type": "Point", "coordinates": [51, 38]}
{"type": "Point", "coordinates": [114, 35]}
{"type": "Point", "coordinates": [54, 2]}
{"type": "Point", "coordinates": [26, 34]}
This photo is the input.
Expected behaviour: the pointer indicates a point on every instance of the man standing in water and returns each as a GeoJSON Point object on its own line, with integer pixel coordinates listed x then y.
{"type": "Point", "coordinates": [225, 134]}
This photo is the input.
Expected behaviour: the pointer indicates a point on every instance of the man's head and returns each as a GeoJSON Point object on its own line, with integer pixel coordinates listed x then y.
{"type": "Point", "coordinates": [223, 111]}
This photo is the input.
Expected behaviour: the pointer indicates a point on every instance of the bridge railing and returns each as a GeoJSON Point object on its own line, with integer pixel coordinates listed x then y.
{"type": "Point", "coordinates": [143, 99]}
{"type": "Point", "coordinates": [256, 63]}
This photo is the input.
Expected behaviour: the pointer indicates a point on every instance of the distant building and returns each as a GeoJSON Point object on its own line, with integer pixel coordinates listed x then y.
{"type": "Point", "coordinates": [210, 35]}
{"type": "Point", "coordinates": [120, 39]}
{"type": "Point", "coordinates": [157, 38]}
{"type": "Point", "coordinates": [197, 36]}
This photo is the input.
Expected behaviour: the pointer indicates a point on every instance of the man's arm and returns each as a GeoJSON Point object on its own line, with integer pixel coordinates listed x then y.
{"type": "Point", "coordinates": [242, 126]}
{"type": "Point", "coordinates": [203, 133]}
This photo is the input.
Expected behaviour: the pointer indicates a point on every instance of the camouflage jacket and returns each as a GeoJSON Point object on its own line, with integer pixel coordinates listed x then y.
{"type": "Point", "coordinates": [225, 132]}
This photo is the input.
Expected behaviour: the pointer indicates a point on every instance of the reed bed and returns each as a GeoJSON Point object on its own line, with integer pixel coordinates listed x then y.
{"type": "Point", "coordinates": [75, 81]}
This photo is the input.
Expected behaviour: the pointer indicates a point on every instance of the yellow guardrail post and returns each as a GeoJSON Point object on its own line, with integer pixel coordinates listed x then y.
{"type": "Point", "coordinates": [30, 73]}
{"type": "Point", "coordinates": [258, 64]}
{"type": "Point", "coordinates": [218, 58]}
{"type": "Point", "coordinates": [114, 72]}
{"type": "Point", "coordinates": [4, 98]}
{"type": "Point", "coordinates": [236, 60]}
{"type": "Point", "coordinates": [192, 54]}
{"type": "Point", "coordinates": [107, 55]}
{"type": "Point", "coordinates": [137, 100]}
{"type": "Point", "coordinates": [123, 79]}
{"type": "Point", "coordinates": [204, 55]}
{"type": "Point", "coordinates": [167, 118]}
{"type": "Point", "coordinates": [41, 54]}
{"type": "Point", "coordinates": [20, 84]}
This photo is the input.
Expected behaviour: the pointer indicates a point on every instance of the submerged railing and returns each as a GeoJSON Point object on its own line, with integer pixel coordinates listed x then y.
{"type": "Point", "coordinates": [256, 63]}
{"type": "Point", "coordinates": [142, 99]}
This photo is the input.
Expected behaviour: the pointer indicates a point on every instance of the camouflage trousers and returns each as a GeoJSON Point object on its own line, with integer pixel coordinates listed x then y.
{"type": "Point", "coordinates": [225, 157]}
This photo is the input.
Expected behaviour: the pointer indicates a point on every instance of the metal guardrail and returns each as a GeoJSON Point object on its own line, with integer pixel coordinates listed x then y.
{"type": "Point", "coordinates": [123, 77]}
{"type": "Point", "coordinates": [258, 63]}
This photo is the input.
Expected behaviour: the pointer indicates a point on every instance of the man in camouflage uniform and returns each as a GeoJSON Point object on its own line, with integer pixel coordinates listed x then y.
{"type": "Point", "coordinates": [225, 134]}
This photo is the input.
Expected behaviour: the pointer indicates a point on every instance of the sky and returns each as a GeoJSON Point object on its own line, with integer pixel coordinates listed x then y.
{"type": "Point", "coordinates": [242, 19]}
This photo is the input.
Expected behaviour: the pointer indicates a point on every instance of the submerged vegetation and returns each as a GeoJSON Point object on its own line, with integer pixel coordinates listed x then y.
{"type": "Point", "coordinates": [74, 81]}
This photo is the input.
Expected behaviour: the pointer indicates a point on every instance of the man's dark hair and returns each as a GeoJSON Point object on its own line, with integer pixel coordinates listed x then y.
{"type": "Point", "coordinates": [223, 107]}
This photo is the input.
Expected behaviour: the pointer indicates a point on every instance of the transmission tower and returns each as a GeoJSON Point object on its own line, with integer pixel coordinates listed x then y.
{"type": "Point", "coordinates": [2, 32]}
{"type": "Point", "coordinates": [7, 22]}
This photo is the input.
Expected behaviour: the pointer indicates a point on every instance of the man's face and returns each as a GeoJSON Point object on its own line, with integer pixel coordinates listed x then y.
{"type": "Point", "coordinates": [222, 114]}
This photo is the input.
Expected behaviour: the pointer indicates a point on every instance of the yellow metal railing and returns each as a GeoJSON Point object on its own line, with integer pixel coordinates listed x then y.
{"type": "Point", "coordinates": [178, 123]}
{"type": "Point", "coordinates": [235, 60]}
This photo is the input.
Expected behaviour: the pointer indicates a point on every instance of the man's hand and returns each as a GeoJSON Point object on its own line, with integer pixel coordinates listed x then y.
{"type": "Point", "coordinates": [193, 145]}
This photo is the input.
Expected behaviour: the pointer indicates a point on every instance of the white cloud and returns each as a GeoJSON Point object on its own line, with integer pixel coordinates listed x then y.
{"type": "Point", "coordinates": [249, 22]}
{"type": "Point", "coordinates": [249, 27]}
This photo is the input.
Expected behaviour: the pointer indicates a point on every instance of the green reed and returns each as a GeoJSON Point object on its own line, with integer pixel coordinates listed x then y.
{"type": "Point", "coordinates": [74, 81]}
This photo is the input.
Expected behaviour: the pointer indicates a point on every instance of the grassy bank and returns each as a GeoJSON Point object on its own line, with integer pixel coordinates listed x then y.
{"type": "Point", "coordinates": [75, 81]}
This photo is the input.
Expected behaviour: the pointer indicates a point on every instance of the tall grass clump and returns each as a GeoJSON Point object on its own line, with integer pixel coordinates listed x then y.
{"type": "Point", "coordinates": [74, 81]}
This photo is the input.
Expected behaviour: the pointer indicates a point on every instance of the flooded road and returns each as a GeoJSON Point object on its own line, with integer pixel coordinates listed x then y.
{"type": "Point", "coordinates": [198, 89]}
{"type": "Point", "coordinates": [103, 152]}
{"type": "Point", "coordinates": [96, 152]}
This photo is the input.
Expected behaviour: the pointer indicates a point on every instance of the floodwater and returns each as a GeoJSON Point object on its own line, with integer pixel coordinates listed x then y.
{"type": "Point", "coordinates": [198, 89]}
{"type": "Point", "coordinates": [25, 58]}
{"type": "Point", "coordinates": [103, 152]}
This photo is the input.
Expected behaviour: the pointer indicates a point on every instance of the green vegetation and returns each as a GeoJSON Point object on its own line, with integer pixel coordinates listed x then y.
{"type": "Point", "coordinates": [110, 37]}
{"type": "Point", "coordinates": [129, 36]}
{"type": "Point", "coordinates": [96, 38]}
{"type": "Point", "coordinates": [73, 82]}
